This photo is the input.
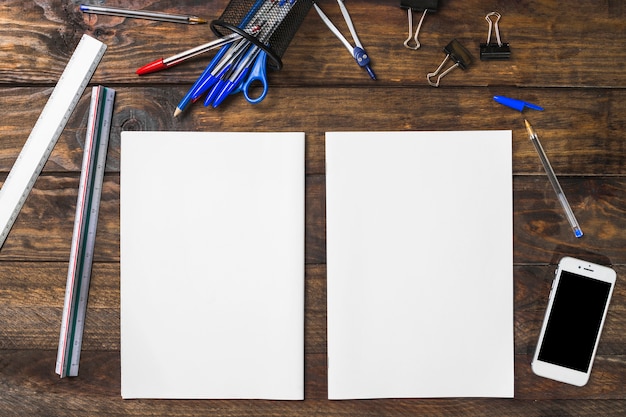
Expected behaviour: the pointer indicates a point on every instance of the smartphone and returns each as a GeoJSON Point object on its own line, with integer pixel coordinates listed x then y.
{"type": "Point", "coordinates": [578, 303]}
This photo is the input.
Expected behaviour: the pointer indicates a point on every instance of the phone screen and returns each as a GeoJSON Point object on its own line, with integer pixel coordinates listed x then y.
{"type": "Point", "coordinates": [574, 321]}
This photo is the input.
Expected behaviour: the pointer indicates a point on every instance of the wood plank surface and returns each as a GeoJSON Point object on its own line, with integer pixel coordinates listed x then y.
{"type": "Point", "coordinates": [566, 57]}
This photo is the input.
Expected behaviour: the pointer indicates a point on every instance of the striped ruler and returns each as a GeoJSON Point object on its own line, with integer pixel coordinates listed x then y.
{"type": "Point", "coordinates": [47, 130]}
{"type": "Point", "coordinates": [84, 236]}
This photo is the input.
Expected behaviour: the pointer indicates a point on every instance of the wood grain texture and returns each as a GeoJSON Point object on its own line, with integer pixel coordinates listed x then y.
{"type": "Point", "coordinates": [567, 58]}
{"type": "Point", "coordinates": [552, 45]}
{"type": "Point", "coordinates": [581, 129]}
{"type": "Point", "coordinates": [43, 229]}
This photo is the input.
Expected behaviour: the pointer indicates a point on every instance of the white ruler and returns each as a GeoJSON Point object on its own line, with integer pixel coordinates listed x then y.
{"type": "Point", "coordinates": [84, 236]}
{"type": "Point", "coordinates": [47, 130]}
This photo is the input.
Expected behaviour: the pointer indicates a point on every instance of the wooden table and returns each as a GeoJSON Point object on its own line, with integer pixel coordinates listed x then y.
{"type": "Point", "coordinates": [566, 57]}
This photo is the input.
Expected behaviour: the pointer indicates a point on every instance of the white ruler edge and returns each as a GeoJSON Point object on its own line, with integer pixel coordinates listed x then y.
{"type": "Point", "coordinates": [84, 235]}
{"type": "Point", "coordinates": [47, 130]}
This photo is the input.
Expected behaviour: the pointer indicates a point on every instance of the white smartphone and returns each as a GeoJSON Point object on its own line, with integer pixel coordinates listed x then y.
{"type": "Point", "coordinates": [571, 328]}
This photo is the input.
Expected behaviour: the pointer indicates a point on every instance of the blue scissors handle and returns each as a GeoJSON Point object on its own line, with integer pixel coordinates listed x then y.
{"type": "Point", "coordinates": [257, 74]}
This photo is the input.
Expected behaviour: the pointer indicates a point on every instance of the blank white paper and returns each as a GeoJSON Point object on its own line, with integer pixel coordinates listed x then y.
{"type": "Point", "coordinates": [420, 259]}
{"type": "Point", "coordinates": [212, 265]}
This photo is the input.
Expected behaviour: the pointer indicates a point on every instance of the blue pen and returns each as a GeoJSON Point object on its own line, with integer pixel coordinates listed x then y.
{"type": "Point", "coordinates": [209, 81]}
{"type": "Point", "coordinates": [229, 87]}
{"type": "Point", "coordinates": [250, 70]}
{"type": "Point", "coordinates": [235, 79]}
{"type": "Point", "coordinates": [220, 86]}
{"type": "Point", "coordinates": [214, 92]}
{"type": "Point", "coordinates": [220, 70]}
{"type": "Point", "coordinates": [188, 98]}
{"type": "Point", "coordinates": [246, 19]}
{"type": "Point", "coordinates": [207, 72]}
{"type": "Point", "coordinates": [233, 61]}
{"type": "Point", "coordinates": [227, 71]}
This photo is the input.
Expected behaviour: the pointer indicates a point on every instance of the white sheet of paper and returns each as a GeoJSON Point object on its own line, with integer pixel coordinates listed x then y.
{"type": "Point", "coordinates": [420, 264]}
{"type": "Point", "coordinates": [212, 265]}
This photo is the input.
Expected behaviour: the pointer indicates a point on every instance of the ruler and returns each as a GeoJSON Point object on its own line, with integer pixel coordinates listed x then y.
{"type": "Point", "coordinates": [47, 130]}
{"type": "Point", "coordinates": [84, 236]}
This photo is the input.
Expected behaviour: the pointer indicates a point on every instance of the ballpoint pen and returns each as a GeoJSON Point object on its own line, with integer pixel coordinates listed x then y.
{"type": "Point", "coordinates": [164, 63]}
{"type": "Point", "coordinates": [239, 63]}
{"type": "Point", "coordinates": [236, 77]}
{"type": "Point", "coordinates": [552, 177]}
{"type": "Point", "coordinates": [184, 102]}
{"type": "Point", "coordinates": [227, 72]}
{"type": "Point", "coordinates": [198, 85]}
{"type": "Point", "coordinates": [142, 14]}
{"type": "Point", "coordinates": [222, 68]}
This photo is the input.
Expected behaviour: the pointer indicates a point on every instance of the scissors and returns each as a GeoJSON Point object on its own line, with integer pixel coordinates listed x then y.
{"type": "Point", "coordinates": [257, 74]}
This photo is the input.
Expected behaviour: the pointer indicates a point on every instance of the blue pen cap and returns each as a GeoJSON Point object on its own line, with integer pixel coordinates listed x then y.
{"type": "Point", "coordinates": [516, 104]}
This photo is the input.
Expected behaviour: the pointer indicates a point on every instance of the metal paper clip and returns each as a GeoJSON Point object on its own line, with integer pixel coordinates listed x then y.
{"type": "Point", "coordinates": [424, 6]}
{"type": "Point", "coordinates": [455, 51]}
{"type": "Point", "coordinates": [497, 50]}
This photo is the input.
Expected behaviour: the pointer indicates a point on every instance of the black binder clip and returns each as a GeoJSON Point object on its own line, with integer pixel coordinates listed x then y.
{"type": "Point", "coordinates": [490, 50]}
{"type": "Point", "coordinates": [461, 57]}
{"type": "Point", "coordinates": [424, 6]}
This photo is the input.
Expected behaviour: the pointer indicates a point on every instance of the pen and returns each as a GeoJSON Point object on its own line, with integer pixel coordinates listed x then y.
{"type": "Point", "coordinates": [236, 77]}
{"type": "Point", "coordinates": [164, 63]}
{"type": "Point", "coordinates": [221, 69]}
{"type": "Point", "coordinates": [224, 73]}
{"type": "Point", "coordinates": [164, 17]}
{"type": "Point", "coordinates": [552, 177]}
{"type": "Point", "coordinates": [184, 102]}
{"type": "Point", "coordinates": [193, 93]}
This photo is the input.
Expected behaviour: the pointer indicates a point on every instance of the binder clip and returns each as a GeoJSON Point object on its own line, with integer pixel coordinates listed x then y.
{"type": "Point", "coordinates": [424, 6]}
{"type": "Point", "coordinates": [490, 50]}
{"type": "Point", "coordinates": [461, 57]}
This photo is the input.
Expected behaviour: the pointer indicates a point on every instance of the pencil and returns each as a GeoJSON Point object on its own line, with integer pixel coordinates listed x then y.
{"type": "Point", "coordinates": [140, 14]}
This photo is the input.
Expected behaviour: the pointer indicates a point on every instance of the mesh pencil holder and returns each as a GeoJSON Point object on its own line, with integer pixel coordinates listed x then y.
{"type": "Point", "coordinates": [275, 22]}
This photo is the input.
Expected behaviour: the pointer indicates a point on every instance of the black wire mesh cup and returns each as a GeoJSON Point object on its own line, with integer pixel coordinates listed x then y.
{"type": "Point", "coordinates": [282, 23]}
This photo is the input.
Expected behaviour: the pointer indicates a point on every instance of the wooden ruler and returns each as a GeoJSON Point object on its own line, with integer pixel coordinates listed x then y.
{"type": "Point", "coordinates": [47, 130]}
{"type": "Point", "coordinates": [84, 236]}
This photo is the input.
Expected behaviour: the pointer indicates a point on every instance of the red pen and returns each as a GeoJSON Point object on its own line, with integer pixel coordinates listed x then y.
{"type": "Point", "coordinates": [165, 63]}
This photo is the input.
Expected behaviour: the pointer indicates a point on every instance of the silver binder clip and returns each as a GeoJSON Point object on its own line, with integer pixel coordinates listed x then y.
{"type": "Point", "coordinates": [491, 50]}
{"type": "Point", "coordinates": [424, 6]}
{"type": "Point", "coordinates": [407, 42]}
{"type": "Point", "coordinates": [455, 51]}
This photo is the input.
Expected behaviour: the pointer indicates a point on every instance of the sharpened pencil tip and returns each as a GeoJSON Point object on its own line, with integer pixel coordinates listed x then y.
{"type": "Point", "coordinates": [177, 112]}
